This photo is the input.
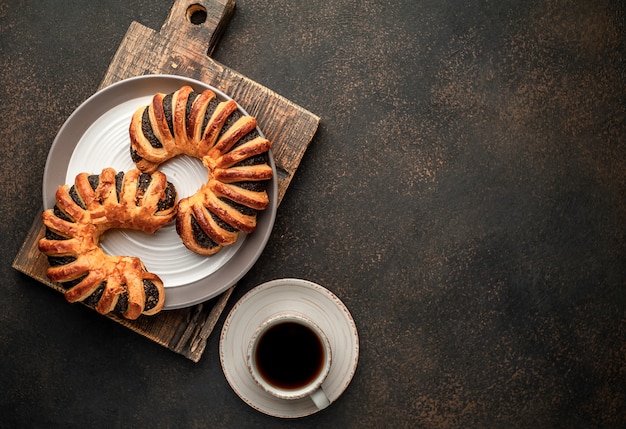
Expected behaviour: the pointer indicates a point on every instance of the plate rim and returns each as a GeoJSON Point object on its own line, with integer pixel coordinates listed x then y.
{"type": "Point", "coordinates": [102, 101]}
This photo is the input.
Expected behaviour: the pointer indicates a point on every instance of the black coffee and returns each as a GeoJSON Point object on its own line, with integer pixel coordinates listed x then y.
{"type": "Point", "coordinates": [289, 355]}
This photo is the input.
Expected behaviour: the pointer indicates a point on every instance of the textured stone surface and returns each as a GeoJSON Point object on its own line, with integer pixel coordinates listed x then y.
{"type": "Point", "coordinates": [465, 196]}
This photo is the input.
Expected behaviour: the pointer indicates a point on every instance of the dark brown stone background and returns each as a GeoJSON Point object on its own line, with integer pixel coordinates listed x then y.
{"type": "Point", "coordinates": [465, 196]}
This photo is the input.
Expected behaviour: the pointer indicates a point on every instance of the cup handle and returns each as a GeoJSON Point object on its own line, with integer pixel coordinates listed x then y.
{"type": "Point", "coordinates": [320, 399]}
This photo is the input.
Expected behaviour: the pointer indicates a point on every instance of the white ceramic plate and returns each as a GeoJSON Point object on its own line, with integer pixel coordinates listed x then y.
{"type": "Point", "coordinates": [95, 136]}
{"type": "Point", "coordinates": [302, 296]}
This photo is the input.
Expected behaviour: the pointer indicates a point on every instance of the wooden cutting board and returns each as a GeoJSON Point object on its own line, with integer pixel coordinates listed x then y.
{"type": "Point", "coordinates": [183, 47]}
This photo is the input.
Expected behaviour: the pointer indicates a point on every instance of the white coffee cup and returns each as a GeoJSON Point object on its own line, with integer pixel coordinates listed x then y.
{"type": "Point", "coordinates": [289, 357]}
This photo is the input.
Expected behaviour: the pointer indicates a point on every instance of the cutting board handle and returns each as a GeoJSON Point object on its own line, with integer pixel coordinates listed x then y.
{"type": "Point", "coordinates": [197, 25]}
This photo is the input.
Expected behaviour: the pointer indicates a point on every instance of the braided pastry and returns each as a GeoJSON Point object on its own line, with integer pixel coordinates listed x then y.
{"type": "Point", "coordinates": [230, 147]}
{"type": "Point", "coordinates": [83, 212]}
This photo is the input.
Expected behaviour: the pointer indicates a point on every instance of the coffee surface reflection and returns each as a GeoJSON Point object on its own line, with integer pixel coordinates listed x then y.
{"type": "Point", "coordinates": [289, 355]}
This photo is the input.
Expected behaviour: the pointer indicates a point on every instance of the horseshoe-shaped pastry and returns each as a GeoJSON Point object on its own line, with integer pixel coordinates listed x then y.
{"type": "Point", "coordinates": [229, 145]}
{"type": "Point", "coordinates": [83, 212]}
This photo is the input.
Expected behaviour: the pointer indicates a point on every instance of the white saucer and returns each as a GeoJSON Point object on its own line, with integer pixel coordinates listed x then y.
{"type": "Point", "coordinates": [303, 296]}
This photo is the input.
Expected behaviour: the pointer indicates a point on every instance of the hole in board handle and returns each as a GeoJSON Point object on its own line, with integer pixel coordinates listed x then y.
{"type": "Point", "coordinates": [196, 14]}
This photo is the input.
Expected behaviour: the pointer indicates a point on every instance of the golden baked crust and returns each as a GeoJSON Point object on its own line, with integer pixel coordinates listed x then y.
{"type": "Point", "coordinates": [229, 145]}
{"type": "Point", "coordinates": [83, 212]}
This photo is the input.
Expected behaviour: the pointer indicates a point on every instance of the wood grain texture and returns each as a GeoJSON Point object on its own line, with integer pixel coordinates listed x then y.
{"type": "Point", "coordinates": [181, 29]}
{"type": "Point", "coordinates": [182, 48]}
